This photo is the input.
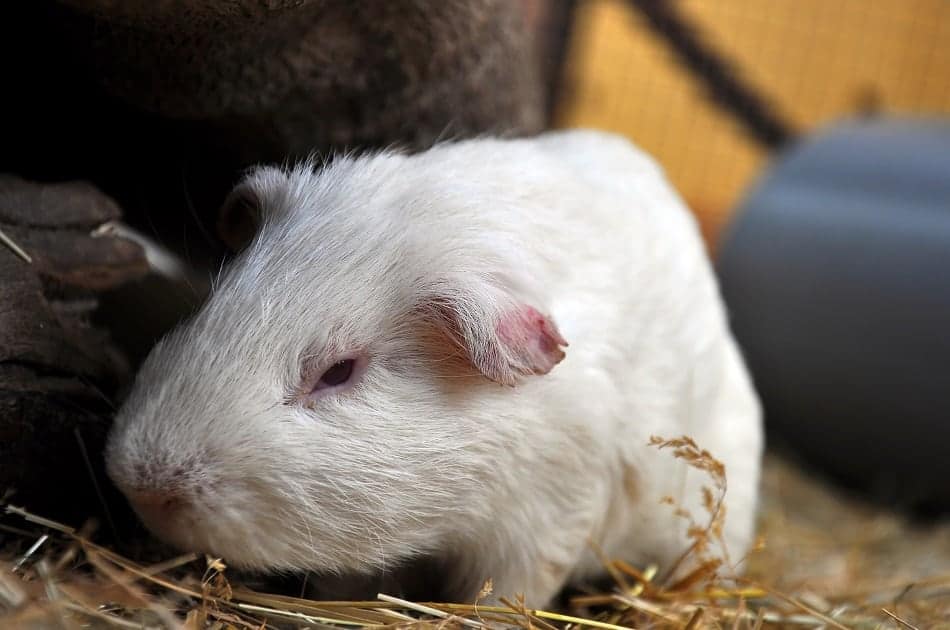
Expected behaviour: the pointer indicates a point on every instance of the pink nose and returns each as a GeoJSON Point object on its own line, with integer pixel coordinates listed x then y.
{"type": "Point", "coordinates": [156, 506]}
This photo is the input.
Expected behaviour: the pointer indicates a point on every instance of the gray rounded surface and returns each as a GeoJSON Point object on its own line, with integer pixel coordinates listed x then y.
{"type": "Point", "coordinates": [837, 277]}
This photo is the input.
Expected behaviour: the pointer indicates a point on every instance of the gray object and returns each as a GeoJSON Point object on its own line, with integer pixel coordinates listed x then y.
{"type": "Point", "coordinates": [837, 276]}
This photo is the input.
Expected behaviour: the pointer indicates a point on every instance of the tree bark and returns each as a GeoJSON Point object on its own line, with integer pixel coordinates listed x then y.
{"type": "Point", "coordinates": [58, 374]}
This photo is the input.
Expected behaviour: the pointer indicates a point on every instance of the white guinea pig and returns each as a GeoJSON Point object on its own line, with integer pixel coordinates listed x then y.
{"type": "Point", "coordinates": [384, 375]}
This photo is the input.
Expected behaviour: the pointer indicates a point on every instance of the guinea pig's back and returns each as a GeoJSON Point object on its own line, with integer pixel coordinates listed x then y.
{"type": "Point", "coordinates": [654, 326]}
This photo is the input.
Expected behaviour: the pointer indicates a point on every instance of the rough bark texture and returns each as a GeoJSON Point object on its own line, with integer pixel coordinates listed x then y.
{"type": "Point", "coordinates": [57, 373]}
{"type": "Point", "coordinates": [292, 77]}
{"type": "Point", "coordinates": [163, 103]}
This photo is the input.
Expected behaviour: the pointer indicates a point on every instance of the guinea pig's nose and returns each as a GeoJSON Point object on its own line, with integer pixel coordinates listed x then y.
{"type": "Point", "coordinates": [155, 505]}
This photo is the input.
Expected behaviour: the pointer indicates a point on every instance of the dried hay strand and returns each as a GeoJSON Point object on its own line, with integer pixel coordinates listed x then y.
{"type": "Point", "coordinates": [54, 576]}
{"type": "Point", "coordinates": [14, 247]}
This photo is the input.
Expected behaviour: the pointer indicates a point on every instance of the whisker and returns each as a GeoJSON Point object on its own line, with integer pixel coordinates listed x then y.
{"type": "Point", "coordinates": [95, 484]}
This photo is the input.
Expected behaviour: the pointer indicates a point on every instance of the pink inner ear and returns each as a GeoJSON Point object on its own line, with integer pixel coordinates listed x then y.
{"type": "Point", "coordinates": [532, 341]}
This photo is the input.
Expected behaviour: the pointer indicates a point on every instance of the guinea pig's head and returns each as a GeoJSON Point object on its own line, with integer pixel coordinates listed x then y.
{"type": "Point", "coordinates": [339, 403]}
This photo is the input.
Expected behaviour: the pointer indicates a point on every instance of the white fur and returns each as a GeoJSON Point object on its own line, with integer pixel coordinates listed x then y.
{"type": "Point", "coordinates": [503, 482]}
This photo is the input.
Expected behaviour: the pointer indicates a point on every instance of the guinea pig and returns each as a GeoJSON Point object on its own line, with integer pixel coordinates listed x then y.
{"type": "Point", "coordinates": [459, 356]}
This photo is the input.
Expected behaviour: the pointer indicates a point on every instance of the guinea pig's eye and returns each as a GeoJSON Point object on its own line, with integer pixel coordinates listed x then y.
{"type": "Point", "coordinates": [319, 379]}
{"type": "Point", "coordinates": [337, 374]}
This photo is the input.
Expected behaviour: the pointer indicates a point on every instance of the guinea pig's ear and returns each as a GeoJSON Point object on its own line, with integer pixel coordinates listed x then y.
{"type": "Point", "coordinates": [503, 339]}
{"type": "Point", "coordinates": [244, 209]}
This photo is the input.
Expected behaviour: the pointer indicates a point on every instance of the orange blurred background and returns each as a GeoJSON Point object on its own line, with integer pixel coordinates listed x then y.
{"type": "Point", "coordinates": [812, 60]}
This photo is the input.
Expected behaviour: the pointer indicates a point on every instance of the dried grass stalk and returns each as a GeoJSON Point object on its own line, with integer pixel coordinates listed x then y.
{"type": "Point", "coordinates": [62, 579]}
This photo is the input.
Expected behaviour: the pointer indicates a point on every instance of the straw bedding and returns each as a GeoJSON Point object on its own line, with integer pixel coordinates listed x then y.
{"type": "Point", "coordinates": [824, 560]}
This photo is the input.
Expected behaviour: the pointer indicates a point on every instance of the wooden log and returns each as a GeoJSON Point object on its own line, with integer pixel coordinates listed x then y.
{"type": "Point", "coordinates": [284, 77]}
{"type": "Point", "coordinates": [59, 374]}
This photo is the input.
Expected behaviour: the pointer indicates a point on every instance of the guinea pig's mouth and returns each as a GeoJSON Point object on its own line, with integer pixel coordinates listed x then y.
{"type": "Point", "coordinates": [192, 508]}
{"type": "Point", "coordinates": [178, 531]}
{"type": "Point", "coordinates": [220, 531]}
{"type": "Point", "coordinates": [194, 519]}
